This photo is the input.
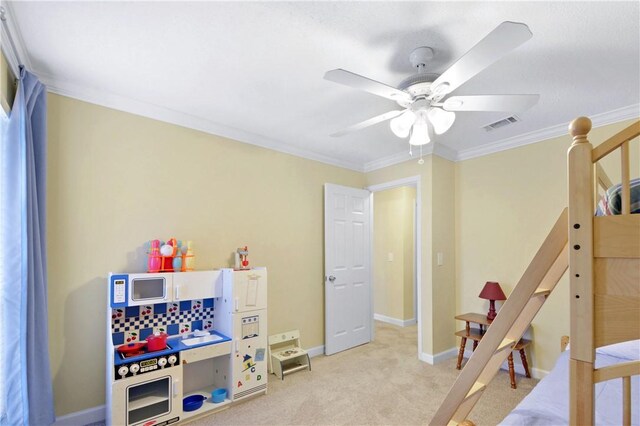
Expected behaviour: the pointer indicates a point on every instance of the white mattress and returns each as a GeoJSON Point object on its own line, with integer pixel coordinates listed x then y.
{"type": "Point", "coordinates": [548, 402]}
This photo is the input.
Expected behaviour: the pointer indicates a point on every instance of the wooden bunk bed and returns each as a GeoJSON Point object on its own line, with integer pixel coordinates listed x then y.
{"type": "Point", "coordinates": [603, 256]}
{"type": "Point", "coordinates": [604, 266]}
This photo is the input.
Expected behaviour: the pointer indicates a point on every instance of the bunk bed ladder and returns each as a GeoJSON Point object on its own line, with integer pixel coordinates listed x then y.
{"type": "Point", "coordinates": [524, 302]}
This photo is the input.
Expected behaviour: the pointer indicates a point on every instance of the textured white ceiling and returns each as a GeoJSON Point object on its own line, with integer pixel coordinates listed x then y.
{"type": "Point", "coordinates": [253, 71]}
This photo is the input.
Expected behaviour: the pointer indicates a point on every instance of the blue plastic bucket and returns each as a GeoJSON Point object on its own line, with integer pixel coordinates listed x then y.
{"type": "Point", "coordinates": [192, 402]}
{"type": "Point", "coordinates": [218, 395]}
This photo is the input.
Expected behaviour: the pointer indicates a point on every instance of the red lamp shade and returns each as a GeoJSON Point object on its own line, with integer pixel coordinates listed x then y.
{"type": "Point", "coordinates": [492, 292]}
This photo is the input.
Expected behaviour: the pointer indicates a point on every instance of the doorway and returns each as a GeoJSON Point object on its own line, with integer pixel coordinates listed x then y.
{"type": "Point", "coordinates": [395, 253]}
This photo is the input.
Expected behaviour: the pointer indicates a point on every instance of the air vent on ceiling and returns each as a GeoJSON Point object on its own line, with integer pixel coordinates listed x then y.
{"type": "Point", "coordinates": [502, 123]}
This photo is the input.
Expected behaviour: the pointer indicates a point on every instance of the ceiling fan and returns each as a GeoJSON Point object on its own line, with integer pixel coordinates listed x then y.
{"type": "Point", "coordinates": [425, 112]}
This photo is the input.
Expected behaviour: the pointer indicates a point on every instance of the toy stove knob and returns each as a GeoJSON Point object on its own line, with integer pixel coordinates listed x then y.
{"type": "Point", "coordinates": [172, 359]}
{"type": "Point", "coordinates": [134, 368]}
{"type": "Point", "coordinates": [122, 371]}
{"type": "Point", "coordinates": [162, 362]}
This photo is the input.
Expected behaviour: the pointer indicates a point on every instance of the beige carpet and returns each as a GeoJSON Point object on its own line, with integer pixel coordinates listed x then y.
{"type": "Point", "coordinates": [382, 383]}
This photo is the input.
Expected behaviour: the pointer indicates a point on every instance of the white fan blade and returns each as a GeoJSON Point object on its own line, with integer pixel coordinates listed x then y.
{"type": "Point", "coordinates": [370, 122]}
{"type": "Point", "coordinates": [514, 103]}
{"type": "Point", "coordinates": [363, 83]}
{"type": "Point", "coordinates": [503, 39]}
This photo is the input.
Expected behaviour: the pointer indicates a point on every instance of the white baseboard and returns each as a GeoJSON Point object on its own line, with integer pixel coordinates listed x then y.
{"type": "Point", "coordinates": [439, 357]}
{"type": "Point", "coordinates": [394, 321]}
{"type": "Point", "coordinates": [318, 350]}
{"type": "Point", "coordinates": [536, 373]}
{"type": "Point", "coordinates": [84, 417]}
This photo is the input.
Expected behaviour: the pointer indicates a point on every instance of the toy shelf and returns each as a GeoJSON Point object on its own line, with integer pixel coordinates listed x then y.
{"type": "Point", "coordinates": [208, 406]}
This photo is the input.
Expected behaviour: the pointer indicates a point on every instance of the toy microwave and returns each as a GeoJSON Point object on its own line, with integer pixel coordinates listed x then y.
{"type": "Point", "coordinates": [139, 289]}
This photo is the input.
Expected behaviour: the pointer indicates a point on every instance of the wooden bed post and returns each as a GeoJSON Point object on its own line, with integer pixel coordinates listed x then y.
{"type": "Point", "coordinates": [581, 212]}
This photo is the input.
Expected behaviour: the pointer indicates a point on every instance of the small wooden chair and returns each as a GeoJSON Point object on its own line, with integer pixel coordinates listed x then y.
{"type": "Point", "coordinates": [285, 354]}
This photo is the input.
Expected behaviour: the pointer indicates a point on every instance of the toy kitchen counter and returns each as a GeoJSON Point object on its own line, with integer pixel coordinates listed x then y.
{"type": "Point", "coordinates": [138, 351]}
{"type": "Point", "coordinates": [137, 358]}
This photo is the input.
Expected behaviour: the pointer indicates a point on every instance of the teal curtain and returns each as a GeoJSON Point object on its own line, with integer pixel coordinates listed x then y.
{"type": "Point", "coordinates": [27, 396]}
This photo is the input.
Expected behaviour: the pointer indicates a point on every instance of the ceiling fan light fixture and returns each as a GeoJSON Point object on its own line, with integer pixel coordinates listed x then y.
{"type": "Point", "coordinates": [401, 125]}
{"type": "Point", "coordinates": [442, 120]}
{"type": "Point", "coordinates": [420, 130]}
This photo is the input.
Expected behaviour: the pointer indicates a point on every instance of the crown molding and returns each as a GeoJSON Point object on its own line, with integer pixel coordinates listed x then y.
{"type": "Point", "coordinates": [399, 157]}
{"type": "Point", "coordinates": [431, 149]}
{"type": "Point", "coordinates": [168, 115]}
{"type": "Point", "coordinates": [615, 116]}
{"type": "Point", "coordinates": [598, 120]}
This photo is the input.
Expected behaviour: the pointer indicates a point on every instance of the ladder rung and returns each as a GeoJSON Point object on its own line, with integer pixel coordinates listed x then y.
{"type": "Point", "coordinates": [477, 387]}
{"type": "Point", "coordinates": [506, 343]}
{"type": "Point", "coordinates": [294, 369]}
{"type": "Point", "coordinates": [541, 292]}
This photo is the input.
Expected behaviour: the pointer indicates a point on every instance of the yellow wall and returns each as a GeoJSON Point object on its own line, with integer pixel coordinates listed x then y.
{"type": "Point", "coordinates": [116, 180]}
{"type": "Point", "coordinates": [408, 274]}
{"type": "Point", "coordinates": [506, 203]}
{"type": "Point", "coordinates": [7, 84]}
{"type": "Point", "coordinates": [443, 276]}
{"type": "Point", "coordinates": [393, 234]}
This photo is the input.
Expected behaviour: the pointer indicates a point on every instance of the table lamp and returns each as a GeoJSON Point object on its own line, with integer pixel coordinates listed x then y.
{"type": "Point", "coordinates": [492, 292]}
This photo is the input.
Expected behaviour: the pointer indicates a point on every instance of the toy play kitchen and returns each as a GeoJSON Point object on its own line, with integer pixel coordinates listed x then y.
{"type": "Point", "coordinates": [184, 344]}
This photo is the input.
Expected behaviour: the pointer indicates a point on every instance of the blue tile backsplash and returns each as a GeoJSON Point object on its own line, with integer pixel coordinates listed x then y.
{"type": "Point", "coordinates": [135, 323]}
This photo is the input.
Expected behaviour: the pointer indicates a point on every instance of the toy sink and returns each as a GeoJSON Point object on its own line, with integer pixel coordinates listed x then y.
{"type": "Point", "coordinates": [202, 339]}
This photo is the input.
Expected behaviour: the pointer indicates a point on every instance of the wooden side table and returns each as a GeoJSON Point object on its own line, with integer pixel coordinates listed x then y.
{"type": "Point", "coordinates": [476, 333]}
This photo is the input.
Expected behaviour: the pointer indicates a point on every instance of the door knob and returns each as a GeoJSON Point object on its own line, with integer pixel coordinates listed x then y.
{"type": "Point", "coordinates": [332, 278]}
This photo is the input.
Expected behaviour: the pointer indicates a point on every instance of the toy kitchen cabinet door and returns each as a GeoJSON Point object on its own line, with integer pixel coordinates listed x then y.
{"type": "Point", "coordinates": [250, 356]}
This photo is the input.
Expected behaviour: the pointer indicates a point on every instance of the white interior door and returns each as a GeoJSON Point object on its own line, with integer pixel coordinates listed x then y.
{"type": "Point", "coordinates": [347, 290]}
